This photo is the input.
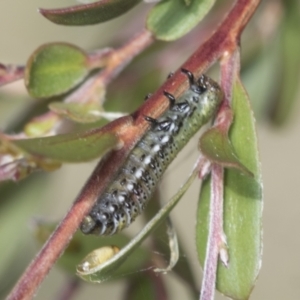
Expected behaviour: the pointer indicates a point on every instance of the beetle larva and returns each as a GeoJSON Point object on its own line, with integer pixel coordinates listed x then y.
{"type": "Point", "coordinates": [126, 197]}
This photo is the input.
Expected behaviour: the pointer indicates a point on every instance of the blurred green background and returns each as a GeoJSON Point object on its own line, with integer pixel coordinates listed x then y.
{"type": "Point", "coordinates": [269, 70]}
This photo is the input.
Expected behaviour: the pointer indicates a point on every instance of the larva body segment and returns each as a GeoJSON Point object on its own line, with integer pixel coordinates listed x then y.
{"type": "Point", "coordinates": [126, 197]}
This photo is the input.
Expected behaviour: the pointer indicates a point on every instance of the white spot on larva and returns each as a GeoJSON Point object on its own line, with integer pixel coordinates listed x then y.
{"type": "Point", "coordinates": [121, 198]}
{"type": "Point", "coordinates": [165, 139]}
{"type": "Point", "coordinates": [111, 208]}
{"type": "Point", "coordinates": [138, 173]}
{"type": "Point", "coordinates": [156, 148]}
{"type": "Point", "coordinates": [172, 127]}
{"type": "Point", "coordinates": [130, 187]}
{"type": "Point", "coordinates": [147, 160]}
{"type": "Point", "coordinates": [187, 109]}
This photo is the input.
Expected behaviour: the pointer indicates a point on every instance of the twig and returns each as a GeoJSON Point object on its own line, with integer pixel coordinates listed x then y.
{"type": "Point", "coordinates": [224, 39]}
{"type": "Point", "coordinates": [215, 238]}
{"type": "Point", "coordinates": [216, 243]}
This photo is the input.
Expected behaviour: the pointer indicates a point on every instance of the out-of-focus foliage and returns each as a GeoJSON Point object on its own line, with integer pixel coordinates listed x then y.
{"type": "Point", "coordinates": [90, 13]}
{"type": "Point", "coordinates": [270, 72]}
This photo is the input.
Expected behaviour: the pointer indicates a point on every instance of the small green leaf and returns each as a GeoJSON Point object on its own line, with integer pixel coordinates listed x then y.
{"type": "Point", "coordinates": [242, 208]}
{"type": "Point", "coordinates": [87, 14]}
{"type": "Point", "coordinates": [216, 146]}
{"type": "Point", "coordinates": [78, 112]}
{"type": "Point", "coordinates": [170, 20]}
{"type": "Point", "coordinates": [71, 147]}
{"type": "Point", "coordinates": [54, 69]}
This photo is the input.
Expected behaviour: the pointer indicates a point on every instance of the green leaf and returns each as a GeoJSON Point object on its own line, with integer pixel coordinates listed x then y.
{"type": "Point", "coordinates": [78, 112]}
{"type": "Point", "coordinates": [170, 20]}
{"type": "Point", "coordinates": [71, 147]}
{"type": "Point", "coordinates": [54, 69]}
{"type": "Point", "coordinates": [88, 14]}
{"type": "Point", "coordinates": [216, 146]}
{"type": "Point", "coordinates": [242, 208]}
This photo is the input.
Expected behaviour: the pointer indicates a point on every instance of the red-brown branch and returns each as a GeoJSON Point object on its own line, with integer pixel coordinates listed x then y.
{"type": "Point", "coordinates": [223, 40]}
{"type": "Point", "coordinates": [215, 233]}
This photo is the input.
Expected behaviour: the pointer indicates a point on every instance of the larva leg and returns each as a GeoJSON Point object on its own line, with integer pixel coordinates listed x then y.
{"type": "Point", "coordinates": [189, 75]}
{"type": "Point", "coordinates": [151, 120]}
{"type": "Point", "coordinates": [170, 97]}
{"type": "Point", "coordinates": [148, 96]}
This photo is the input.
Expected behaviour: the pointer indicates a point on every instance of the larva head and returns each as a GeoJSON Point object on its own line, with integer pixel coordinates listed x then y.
{"type": "Point", "coordinates": [204, 95]}
{"type": "Point", "coordinates": [213, 95]}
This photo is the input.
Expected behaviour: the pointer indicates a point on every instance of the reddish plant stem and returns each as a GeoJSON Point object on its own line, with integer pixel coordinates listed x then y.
{"type": "Point", "coordinates": [123, 56]}
{"type": "Point", "coordinates": [215, 232]}
{"type": "Point", "coordinates": [216, 244]}
{"type": "Point", "coordinates": [226, 74]}
{"type": "Point", "coordinates": [229, 66]}
{"type": "Point", "coordinates": [224, 39]}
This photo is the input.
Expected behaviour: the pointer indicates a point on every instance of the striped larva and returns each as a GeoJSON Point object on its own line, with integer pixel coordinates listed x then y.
{"type": "Point", "coordinates": [126, 197]}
